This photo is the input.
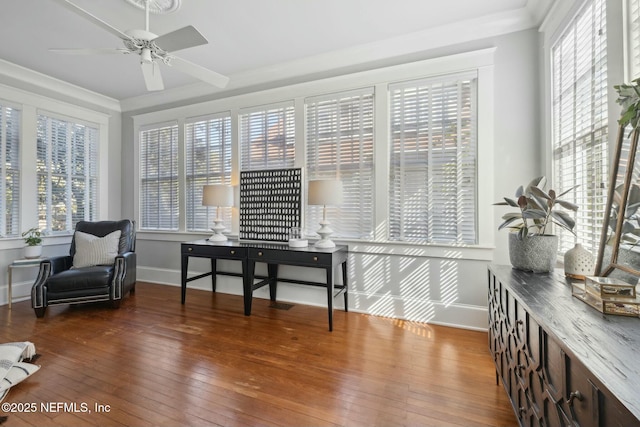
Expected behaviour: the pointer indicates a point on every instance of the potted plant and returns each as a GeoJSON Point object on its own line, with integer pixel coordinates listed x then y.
{"type": "Point", "coordinates": [33, 239]}
{"type": "Point", "coordinates": [531, 248]}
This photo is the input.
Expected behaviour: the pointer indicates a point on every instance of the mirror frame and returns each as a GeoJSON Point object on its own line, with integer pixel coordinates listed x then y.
{"type": "Point", "coordinates": [613, 176]}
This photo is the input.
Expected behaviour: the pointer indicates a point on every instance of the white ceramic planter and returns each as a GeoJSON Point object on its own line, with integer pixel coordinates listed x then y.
{"type": "Point", "coordinates": [32, 251]}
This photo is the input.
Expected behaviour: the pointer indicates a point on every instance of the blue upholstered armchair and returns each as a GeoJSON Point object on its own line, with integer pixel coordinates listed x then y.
{"type": "Point", "coordinates": [101, 266]}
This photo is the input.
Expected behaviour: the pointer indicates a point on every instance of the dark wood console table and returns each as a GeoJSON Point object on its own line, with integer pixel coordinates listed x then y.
{"type": "Point", "coordinates": [562, 362]}
{"type": "Point", "coordinates": [273, 255]}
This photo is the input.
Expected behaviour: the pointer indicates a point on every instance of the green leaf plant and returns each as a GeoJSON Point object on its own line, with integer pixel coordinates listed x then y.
{"type": "Point", "coordinates": [32, 237]}
{"type": "Point", "coordinates": [537, 210]}
{"type": "Point", "coordinates": [629, 99]}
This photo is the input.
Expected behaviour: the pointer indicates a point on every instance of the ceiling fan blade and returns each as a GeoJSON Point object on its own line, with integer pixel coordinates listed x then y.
{"type": "Point", "coordinates": [199, 72]}
{"type": "Point", "coordinates": [89, 51]}
{"type": "Point", "coordinates": [88, 16]}
{"type": "Point", "coordinates": [152, 76]}
{"type": "Point", "coordinates": [180, 39]}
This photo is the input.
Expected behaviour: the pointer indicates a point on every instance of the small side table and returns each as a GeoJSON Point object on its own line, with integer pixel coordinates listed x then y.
{"type": "Point", "coordinates": [20, 263]}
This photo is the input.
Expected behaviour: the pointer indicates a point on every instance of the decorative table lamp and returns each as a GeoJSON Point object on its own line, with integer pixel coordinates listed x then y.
{"type": "Point", "coordinates": [325, 192]}
{"type": "Point", "coordinates": [220, 196]}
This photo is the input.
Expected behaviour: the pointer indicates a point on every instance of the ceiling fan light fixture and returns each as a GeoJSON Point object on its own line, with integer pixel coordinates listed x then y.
{"type": "Point", "coordinates": [145, 56]}
{"type": "Point", "coordinates": [160, 7]}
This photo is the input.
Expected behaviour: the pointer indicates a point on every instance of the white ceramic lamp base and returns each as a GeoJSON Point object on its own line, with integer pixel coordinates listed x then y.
{"type": "Point", "coordinates": [218, 228]}
{"type": "Point", "coordinates": [324, 233]}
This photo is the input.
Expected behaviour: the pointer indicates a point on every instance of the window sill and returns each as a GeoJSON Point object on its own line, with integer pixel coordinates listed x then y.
{"type": "Point", "coordinates": [431, 250]}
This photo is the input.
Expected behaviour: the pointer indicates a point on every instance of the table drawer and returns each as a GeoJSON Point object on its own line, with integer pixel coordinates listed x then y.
{"type": "Point", "coordinates": [224, 252]}
{"type": "Point", "coordinates": [290, 257]}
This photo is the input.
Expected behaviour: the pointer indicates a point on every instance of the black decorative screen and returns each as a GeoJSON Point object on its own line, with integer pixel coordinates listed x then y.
{"type": "Point", "coordinates": [270, 204]}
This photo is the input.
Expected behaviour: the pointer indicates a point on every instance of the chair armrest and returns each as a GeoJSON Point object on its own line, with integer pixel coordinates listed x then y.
{"type": "Point", "coordinates": [130, 261]}
{"type": "Point", "coordinates": [124, 276]}
{"type": "Point", "coordinates": [128, 256]}
{"type": "Point", "coordinates": [58, 263]}
{"type": "Point", "coordinates": [48, 267]}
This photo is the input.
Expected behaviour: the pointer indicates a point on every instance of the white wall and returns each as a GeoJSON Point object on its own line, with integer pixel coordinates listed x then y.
{"type": "Point", "coordinates": [519, 145]}
{"type": "Point", "coordinates": [439, 285]}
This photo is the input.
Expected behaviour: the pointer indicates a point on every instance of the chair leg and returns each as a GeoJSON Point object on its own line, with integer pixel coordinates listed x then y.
{"type": "Point", "coordinates": [115, 303]}
{"type": "Point", "coordinates": [40, 311]}
{"type": "Point", "coordinates": [133, 289]}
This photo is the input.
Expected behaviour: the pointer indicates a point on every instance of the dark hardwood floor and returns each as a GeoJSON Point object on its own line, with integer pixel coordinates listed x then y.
{"type": "Point", "coordinates": [154, 362]}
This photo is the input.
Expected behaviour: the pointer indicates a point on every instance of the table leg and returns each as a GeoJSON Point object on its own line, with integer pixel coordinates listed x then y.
{"type": "Point", "coordinates": [345, 283]}
{"type": "Point", "coordinates": [9, 287]}
{"type": "Point", "coordinates": [213, 274]}
{"type": "Point", "coordinates": [248, 271]}
{"type": "Point", "coordinates": [184, 264]}
{"type": "Point", "coordinates": [330, 296]}
{"type": "Point", "coordinates": [272, 270]}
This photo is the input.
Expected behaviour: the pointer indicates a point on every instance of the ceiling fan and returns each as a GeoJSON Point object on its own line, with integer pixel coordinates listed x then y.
{"type": "Point", "coordinates": [152, 49]}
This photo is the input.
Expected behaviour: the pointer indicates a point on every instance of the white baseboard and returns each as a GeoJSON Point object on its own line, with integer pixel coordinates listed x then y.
{"type": "Point", "coordinates": [433, 312]}
{"type": "Point", "coordinates": [21, 292]}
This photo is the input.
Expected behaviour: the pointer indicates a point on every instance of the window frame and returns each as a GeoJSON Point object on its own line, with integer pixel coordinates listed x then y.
{"type": "Point", "coordinates": [354, 179]}
{"type": "Point", "coordinates": [171, 178]}
{"type": "Point", "coordinates": [262, 114]}
{"type": "Point", "coordinates": [31, 105]}
{"type": "Point", "coordinates": [92, 198]}
{"type": "Point", "coordinates": [553, 35]}
{"type": "Point", "coordinates": [430, 166]}
{"type": "Point", "coordinates": [15, 171]}
{"type": "Point", "coordinates": [215, 173]}
{"type": "Point", "coordinates": [631, 29]}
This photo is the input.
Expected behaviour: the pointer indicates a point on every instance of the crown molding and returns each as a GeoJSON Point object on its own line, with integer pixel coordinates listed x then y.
{"type": "Point", "coordinates": [539, 9]}
{"type": "Point", "coordinates": [559, 13]}
{"type": "Point", "coordinates": [405, 48]}
{"type": "Point", "coordinates": [51, 85]}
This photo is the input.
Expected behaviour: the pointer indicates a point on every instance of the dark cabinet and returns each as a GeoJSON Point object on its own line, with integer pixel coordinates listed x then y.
{"type": "Point", "coordinates": [561, 362]}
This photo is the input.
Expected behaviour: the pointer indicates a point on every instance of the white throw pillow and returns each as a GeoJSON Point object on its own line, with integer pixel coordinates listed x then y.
{"type": "Point", "coordinates": [94, 250]}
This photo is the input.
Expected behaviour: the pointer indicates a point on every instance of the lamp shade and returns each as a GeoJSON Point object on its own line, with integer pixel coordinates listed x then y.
{"type": "Point", "coordinates": [325, 192]}
{"type": "Point", "coordinates": [217, 195]}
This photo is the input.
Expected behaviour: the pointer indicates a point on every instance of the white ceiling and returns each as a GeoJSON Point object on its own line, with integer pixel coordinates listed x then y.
{"type": "Point", "coordinates": [251, 41]}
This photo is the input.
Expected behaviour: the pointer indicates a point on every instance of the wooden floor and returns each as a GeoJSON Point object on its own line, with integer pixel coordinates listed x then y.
{"type": "Point", "coordinates": [154, 362]}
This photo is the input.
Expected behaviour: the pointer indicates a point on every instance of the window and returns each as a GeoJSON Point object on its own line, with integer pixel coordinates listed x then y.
{"type": "Point", "coordinates": [10, 164]}
{"type": "Point", "coordinates": [159, 177]}
{"type": "Point", "coordinates": [208, 146]}
{"type": "Point", "coordinates": [633, 34]}
{"type": "Point", "coordinates": [432, 194]}
{"type": "Point", "coordinates": [339, 144]}
{"type": "Point", "coordinates": [66, 172]}
{"type": "Point", "coordinates": [267, 137]}
{"type": "Point", "coordinates": [580, 134]}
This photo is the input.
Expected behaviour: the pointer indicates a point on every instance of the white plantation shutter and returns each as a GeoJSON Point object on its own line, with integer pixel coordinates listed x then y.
{"type": "Point", "coordinates": [159, 177]}
{"type": "Point", "coordinates": [432, 195]}
{"type": "Point", "coordinates": [339, 144]}
{"type": "Point", "coordinates": [633, 34]}
{"type": "Point", "coordinates": [267, 137]}
{"type": "Point", "coordinates": [67, 173]}
{"type": "Point", "coordinates": [208, 146]}
{"type": "Point", "coordinates": [10, 164]}
{"type": "Point", "coordinates": [580, 134]}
